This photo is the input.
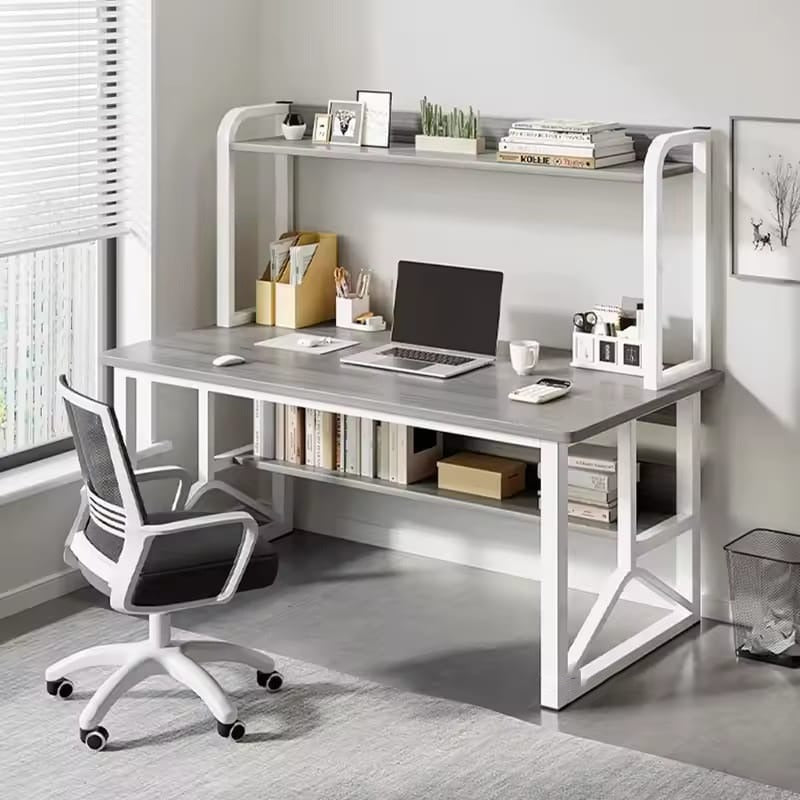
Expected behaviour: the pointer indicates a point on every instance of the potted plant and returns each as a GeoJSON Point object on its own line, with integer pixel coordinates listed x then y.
{"type": "Point", "coordinates": [449, 132]}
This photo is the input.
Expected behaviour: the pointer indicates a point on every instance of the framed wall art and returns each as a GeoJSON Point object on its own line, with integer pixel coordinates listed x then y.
{"type": "Point", "coordinates": [347, 122]}
{"type": "Point", "coordinates": [765, 198]}
{"type": "Point", "coordinates": [377, 117]}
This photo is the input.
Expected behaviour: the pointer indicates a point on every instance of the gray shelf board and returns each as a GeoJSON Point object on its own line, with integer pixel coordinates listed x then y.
{"type": "Point", "coordinates": [523, 506]}
{"type": "Point", "coordinates": [407, 154]}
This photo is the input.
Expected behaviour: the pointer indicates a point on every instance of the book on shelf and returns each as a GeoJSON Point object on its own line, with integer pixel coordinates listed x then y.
{"type": "Point", "coordinates": [352, 445]}
{"type": "Point", "coordinates": [393, 460]}
{"type": "Point", "coordinates": [566, 125]}
{"type": "Point", "coordinates": [589, 512]}
{"type": "Point", "coordinates": [590, 497]}
{"type": "Point", "coordinates": [383, 450]}
{"type": "Point", "coordinates": [598, 457]}
{"type": "Point", "coordinates": [280, 432]}
{"type": "Point", "coordinates": [567, 162]}
{"type": "Point", "coordinates": [311, 427]}
{"type": "Point", "coordinates": [340, 442]}
{"type": "Point", "coordinates": [367, 448]}
{"type": "Point", "coordinates": [588, 151]}
{"type": "Point", "coordinates": [263, 430]}
{"type": "Point", "coordinates": [295, 434]}
{"type": "Point", "coordinates": [566, 137]}
{"type": "Point", "coordinates": [326, 431]}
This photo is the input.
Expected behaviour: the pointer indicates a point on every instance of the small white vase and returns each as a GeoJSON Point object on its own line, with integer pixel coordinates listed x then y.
{"type": "Point", "coordinates": [293, 133]}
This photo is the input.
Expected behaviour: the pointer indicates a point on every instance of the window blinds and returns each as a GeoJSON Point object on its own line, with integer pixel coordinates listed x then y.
{"type": "Point", "coordinates": [63, 76]}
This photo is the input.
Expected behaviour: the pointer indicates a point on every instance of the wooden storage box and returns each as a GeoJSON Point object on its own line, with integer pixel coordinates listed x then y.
{"type": "Point", "coordinates": [481, 474]}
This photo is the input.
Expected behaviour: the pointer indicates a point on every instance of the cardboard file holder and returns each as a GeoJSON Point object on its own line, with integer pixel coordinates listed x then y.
{"type": "Point", "coordinates": [309, 303]}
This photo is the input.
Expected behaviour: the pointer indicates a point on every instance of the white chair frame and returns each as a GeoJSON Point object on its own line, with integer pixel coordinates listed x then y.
{"type": "Point", "coordinates": [160, 653]}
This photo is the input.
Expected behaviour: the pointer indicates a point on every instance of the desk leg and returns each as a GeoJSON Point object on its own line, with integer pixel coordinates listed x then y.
{"type": "Point", "coordinates": [554, 642]}
{"type": "Point", "coordinates": [125, 409]}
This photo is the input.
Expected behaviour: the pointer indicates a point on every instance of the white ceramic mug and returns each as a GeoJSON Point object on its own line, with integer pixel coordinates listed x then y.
{"type": "Point", "coordinates": [524, 355]}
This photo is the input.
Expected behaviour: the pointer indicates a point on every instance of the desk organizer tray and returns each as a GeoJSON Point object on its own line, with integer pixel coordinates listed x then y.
{"type": "Point", "coordinates": [607, 353]}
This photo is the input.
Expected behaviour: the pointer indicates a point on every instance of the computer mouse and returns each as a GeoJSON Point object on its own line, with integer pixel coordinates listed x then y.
{"type": "Point", "coordinates": [307, 341]}
{"type": "Point", "coordinates": [228, 360]}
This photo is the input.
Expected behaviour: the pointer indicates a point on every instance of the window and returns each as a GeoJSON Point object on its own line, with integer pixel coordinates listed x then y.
{"type": "Point", "coordinates": [50, 323]}
{"type": "Point", "coordinates": [64, 144]}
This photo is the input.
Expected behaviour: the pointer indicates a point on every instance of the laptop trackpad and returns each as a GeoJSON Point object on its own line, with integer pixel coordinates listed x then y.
{"type": "Point", "coordinates": [404, 363]}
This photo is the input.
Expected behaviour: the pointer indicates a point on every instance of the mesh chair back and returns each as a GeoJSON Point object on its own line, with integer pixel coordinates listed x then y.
{"type": "Point", "coordinates": [97, 440]}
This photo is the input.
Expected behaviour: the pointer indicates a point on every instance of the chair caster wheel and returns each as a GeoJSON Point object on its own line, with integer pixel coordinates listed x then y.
{"type": "Point", "coordinates": [273, 681]}
{"type": "Point", "coordinates": [60, 688]}
{"type": "Point", "coordinates": [235, 730]}
{"type": "Point", "coordinates": [95, 739]}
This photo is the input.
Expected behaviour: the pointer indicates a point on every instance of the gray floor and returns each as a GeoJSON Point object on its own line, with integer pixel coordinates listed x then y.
{"type": "Point", "coordinates": [470, 635]}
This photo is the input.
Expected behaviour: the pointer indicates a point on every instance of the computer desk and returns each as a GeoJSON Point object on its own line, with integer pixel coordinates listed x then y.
{"type": "Point", "coordinates": [476, 405]}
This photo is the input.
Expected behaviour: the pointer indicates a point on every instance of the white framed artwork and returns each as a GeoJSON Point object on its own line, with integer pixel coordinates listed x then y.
{"type": "Point", "coordinates": [765, 198]}
{"type": "Point", "coordinates": [377, 117]}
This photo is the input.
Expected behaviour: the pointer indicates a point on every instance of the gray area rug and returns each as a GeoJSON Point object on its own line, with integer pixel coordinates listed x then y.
{"type": "Point", "coordinates": [327, 735]}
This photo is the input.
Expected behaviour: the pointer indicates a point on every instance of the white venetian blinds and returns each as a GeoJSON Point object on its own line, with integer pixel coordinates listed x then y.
{"type": "Point", "coordinates": [64, 78]}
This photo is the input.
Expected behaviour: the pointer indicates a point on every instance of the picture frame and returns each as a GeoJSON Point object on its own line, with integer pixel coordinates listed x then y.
{"type": "Point", "coordinates": [347, 122]}
{"type": "Point", "coordinates": [377, 117]}
{"type": "Point", "coordinates": [322, 129]}
{"type": "Point", "coordinates": [765, 198]}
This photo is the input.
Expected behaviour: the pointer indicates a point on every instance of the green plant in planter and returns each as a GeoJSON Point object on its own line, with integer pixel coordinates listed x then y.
{"type": "Point", "coordinates": [456, 123]}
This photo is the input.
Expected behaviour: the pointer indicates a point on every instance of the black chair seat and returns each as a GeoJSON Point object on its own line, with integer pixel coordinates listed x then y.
{"type": "Point", "coordinates": [192, 565]}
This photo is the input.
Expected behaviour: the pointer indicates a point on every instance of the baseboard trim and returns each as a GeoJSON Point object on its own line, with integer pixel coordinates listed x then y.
{"type": "Point", "coordinates": [716, 608]}
{"type": "Point", "coordinates": [40, 591]}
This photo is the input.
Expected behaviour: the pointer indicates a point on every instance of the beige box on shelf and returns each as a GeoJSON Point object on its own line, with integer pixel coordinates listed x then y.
{"type": "Point", "coordinates": [482, 474]}
{"type": "Point", "coordinates": [314, 300]}
{"type": "Point", "coordinates": [310, 302]}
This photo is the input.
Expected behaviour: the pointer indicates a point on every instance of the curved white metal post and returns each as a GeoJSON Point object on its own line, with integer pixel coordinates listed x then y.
{"type": "Point", "coordinates": [655, 376]}
{"type": "Point", "coordinates": [227, 315]}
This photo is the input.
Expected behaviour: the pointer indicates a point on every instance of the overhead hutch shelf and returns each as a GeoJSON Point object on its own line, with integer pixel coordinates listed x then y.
{"type": "Point", "coordinates": [691, 153]}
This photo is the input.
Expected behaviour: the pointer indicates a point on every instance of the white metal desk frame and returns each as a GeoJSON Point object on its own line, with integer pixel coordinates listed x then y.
{"type": "Point", "coordinates": [565, 672]}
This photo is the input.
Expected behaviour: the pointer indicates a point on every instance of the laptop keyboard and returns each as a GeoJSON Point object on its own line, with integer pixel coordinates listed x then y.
{"type": "Point", "coordinates": [427, 356]}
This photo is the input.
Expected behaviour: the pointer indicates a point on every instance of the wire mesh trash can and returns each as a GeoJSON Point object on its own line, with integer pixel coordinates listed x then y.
{"type": "Point", "coordinates": [764, 574]}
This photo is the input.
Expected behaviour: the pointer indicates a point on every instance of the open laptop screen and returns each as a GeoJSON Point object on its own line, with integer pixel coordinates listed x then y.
{"type": "Point", "coordinates": [452, 308]}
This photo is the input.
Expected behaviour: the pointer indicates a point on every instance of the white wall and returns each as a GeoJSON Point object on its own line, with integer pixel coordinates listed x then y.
{"type": "Point", "coordinates": [565, 244]}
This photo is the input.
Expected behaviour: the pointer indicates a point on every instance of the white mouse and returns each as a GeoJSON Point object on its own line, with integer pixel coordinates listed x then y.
{"type": "Point", "coordinates": [228, 360]}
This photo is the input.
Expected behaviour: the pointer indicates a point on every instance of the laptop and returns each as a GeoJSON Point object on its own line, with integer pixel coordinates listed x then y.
{"type": "Point", "coordinates": [445, 322]}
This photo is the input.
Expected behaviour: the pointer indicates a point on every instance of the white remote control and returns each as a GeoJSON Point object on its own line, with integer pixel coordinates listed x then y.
{"type": "Point", "coordinates": [543, 391]}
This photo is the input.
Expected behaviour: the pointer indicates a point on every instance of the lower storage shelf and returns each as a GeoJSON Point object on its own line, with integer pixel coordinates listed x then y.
{"type": "Point", "coordinates": [524, 506]}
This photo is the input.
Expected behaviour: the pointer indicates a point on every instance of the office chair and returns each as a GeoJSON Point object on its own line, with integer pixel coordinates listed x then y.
{"type": "Point", "coordinates": [152, 564]}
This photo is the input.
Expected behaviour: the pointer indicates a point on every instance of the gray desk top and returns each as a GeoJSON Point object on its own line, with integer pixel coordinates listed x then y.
{"type": "Point", "coordinates": [476, 400]}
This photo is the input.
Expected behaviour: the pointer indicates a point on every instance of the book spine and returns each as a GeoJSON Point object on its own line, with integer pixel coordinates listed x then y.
{"type": "Point", "coordinates": [588, 151]}
{"type": "Point", "coordinates": [340, 442]}
{"type": "Point", "coordinates": [595, 513]}
{"type": "Point", "coordinates": [546, 161]}
{"type": "Point", "coordinates": [317, 438]}
{"type": "Point", "coordinates": [599, 481]}
{"type": "Point", "coordinates": [367, 448]}
{"type": "Point", "coordinates": [393, 432]}
{"type": "Point", "coordinates": [328, 440]}
{"type": "Point", "coordinates": [592, 464]}
{"type": "Point", "coordinates": [403, 435]}
{"type": "Point", "coordinates": [594, 498]}
{"type": "Point", "coordinates": [257, 443]}
{"type": "Point", "coordinates": [295, 434]}
{"type": "Point", "coordinates": [565, 137]}
{"type": "Point", "coordinates": [352, 446]}
{"type": "Point", "coordinates": [280, 431]}
{"type": "Point", "coordinates": [383, 464]}
{"type": "Point", "coordinates": [311, 419]}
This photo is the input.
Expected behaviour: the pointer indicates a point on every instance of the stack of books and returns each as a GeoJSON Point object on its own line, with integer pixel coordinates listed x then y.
{"type": "Point", "coordinates": [566, 143]}
{"type": "Point", "coordinates": [591, 483]}
{"type": "Point", "coordinates": [354, 445]}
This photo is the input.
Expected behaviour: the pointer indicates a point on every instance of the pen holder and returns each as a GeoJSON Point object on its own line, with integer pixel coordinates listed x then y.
{"type": "Point", "coordinates": [348, 308]}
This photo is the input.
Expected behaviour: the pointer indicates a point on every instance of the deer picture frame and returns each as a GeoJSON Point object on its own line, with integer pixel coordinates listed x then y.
{"type": "Point", "coordinates": [765, 198]}
{"type": "Point", "coordinates": [347, 122]}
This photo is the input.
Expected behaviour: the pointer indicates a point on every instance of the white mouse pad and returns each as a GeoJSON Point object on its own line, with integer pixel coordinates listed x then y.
{"type": "Point", "coordinates": [322, 346]}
